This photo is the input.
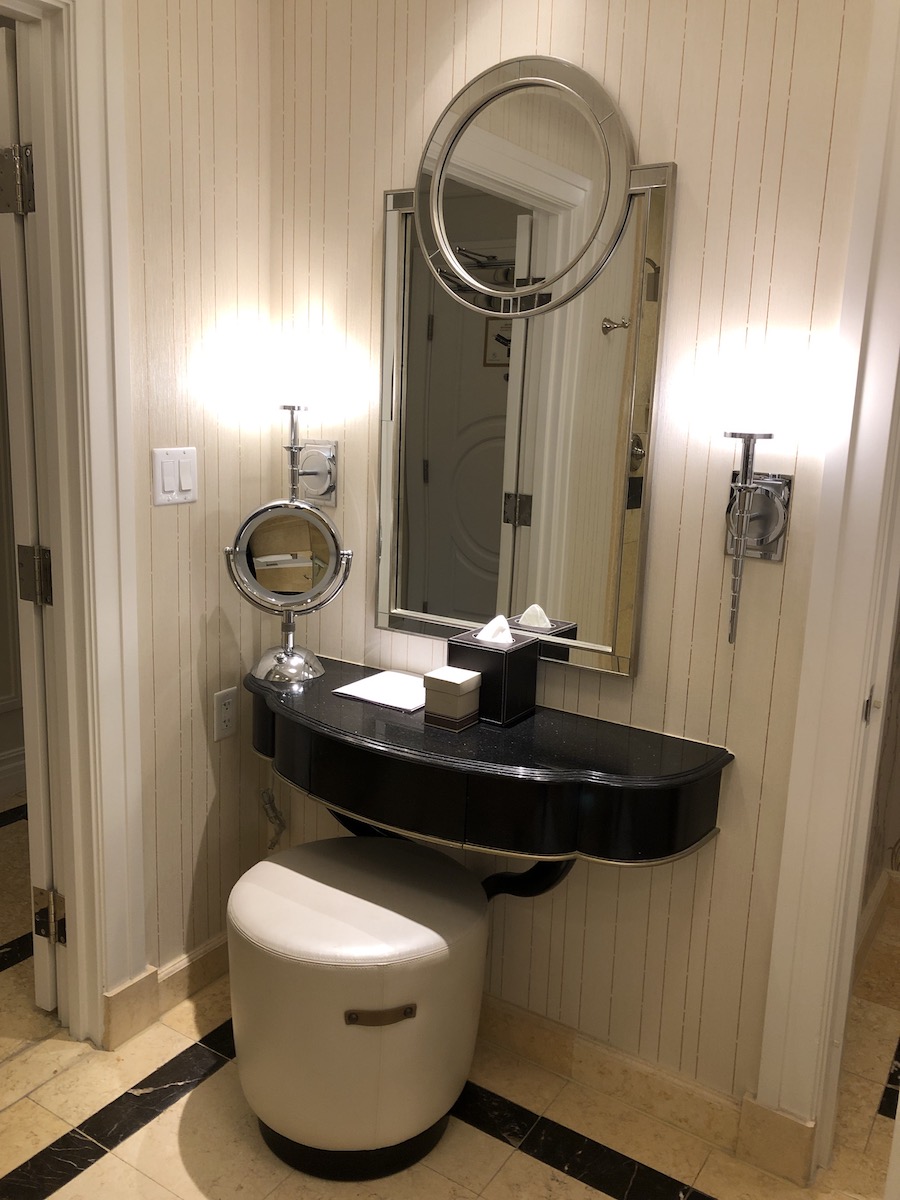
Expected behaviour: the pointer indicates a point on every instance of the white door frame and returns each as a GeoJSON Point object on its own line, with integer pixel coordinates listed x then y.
{"type": "Point", "coordinates": [70, 52]}
{"type": "Point", "coordinates": [25, 479]}
{"type": "Point", "coordinates": [847, 645]}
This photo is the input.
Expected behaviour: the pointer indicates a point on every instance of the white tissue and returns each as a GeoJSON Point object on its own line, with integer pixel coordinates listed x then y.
{"type": "Point", "coordinates": [535, 618]}
{"type": "Point", "coordinates": [496, 631]}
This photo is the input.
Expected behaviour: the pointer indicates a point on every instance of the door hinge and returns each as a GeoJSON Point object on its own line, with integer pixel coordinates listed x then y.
{"type": "Point", "coordinates": [424, 470]}
{"type": "Point", "coordinates": [429, 333]}
{"type": "Point", "coordinates": [35, 578]}
{"type": "Point", "coordinates": [16, 180]}
{"type": "Point", "coordinates": [516, 509]}
{"type": "Point", "coordinates": [49, 915]}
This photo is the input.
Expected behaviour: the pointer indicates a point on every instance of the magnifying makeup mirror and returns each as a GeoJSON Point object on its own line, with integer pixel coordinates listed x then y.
{"type": "Point", "coordinates": [287, 560]}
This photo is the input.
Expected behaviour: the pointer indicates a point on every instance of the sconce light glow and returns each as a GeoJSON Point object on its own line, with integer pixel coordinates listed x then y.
{"type": "Point", "coordinates": [244, 369]}
{"type": "Point", "coordinates": [784, 380]}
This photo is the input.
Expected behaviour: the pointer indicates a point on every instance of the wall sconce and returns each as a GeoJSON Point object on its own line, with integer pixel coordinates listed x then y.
{"type": "Point", "coordinates": [755, 520]}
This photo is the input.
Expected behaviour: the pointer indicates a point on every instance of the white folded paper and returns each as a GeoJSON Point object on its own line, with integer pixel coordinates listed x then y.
{"type": "Point", "coordinates": [496, 631]}
{"type": "Point", "coordinates": [392, 689]}
{"type": "Point", "coordinates": [535, 618]}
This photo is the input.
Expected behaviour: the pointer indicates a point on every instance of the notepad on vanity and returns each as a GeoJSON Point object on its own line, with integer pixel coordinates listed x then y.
{"type": "Point", "coordinates": [393, 689]}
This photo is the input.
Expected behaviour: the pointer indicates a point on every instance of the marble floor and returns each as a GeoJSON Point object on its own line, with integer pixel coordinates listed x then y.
{"type": "Point", "coordinates": [163, 1116]}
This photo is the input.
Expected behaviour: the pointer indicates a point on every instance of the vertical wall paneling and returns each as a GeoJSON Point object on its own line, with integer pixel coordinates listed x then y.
{"type": "Point", "coordinates": [599, 959]}
{"type": "Point", "coordinates": [358, 493]}
{"type": "Point", "coordinates": [139, 371]}
{"type": "Point", "coordinates": [668, 1026]}
{"type": "Point", "coordinates": [264, 135]}
{"type": "Point", "coordinates": [630, 958]}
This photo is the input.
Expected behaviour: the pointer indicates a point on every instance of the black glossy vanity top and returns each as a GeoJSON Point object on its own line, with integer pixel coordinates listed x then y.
{"type": "Point", "coordinates": [550, 746]}
{"type": "Point", "coordinates": [555, 784]}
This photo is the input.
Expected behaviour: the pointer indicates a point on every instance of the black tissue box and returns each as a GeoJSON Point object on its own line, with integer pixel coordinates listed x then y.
{"type": "Point", "coordinates": [508, 674]}
{"type": "Point", "coordinates": [558, 629]}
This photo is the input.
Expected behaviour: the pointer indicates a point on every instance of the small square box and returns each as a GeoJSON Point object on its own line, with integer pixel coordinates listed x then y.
{"type": "Point", "coordinates": [508, 674]}
{"type": "Point", "coordinates": [558, 629]}
{"type": "Point", "coordinates": [452, 697]}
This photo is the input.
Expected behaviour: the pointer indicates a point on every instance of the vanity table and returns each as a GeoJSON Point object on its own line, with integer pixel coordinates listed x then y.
{"type": "Point", "coordinates": [555, 786]}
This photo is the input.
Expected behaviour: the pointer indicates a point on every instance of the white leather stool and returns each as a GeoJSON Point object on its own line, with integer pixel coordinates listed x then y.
{"type": "Point", "coordinates": [357, 967]}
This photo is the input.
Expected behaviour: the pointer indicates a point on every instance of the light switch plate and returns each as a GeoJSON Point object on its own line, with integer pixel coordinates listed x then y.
{"type": "Point", "coordinates": [175, 475]}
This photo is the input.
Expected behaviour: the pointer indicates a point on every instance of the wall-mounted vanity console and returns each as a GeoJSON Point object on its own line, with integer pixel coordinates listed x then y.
{"type": "Point", "coordinates": [555, 786]}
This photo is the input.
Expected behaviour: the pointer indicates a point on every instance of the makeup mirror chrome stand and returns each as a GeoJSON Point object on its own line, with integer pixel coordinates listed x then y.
{"type": "Point", "coordinates": [289, 527]}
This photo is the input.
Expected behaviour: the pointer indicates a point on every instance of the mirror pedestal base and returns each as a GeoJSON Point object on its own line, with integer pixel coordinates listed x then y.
{"type": "Point", "coordinates": [288, 669]}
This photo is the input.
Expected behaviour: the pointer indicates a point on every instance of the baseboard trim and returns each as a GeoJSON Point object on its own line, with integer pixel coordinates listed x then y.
{"type": "Point", "coordinates": [130, 1008]}
{"type": "Point", "coordinates": [135, 1005]}
{"type": "Point", "coordinates": [776, 1142]}
{"type": "Point", "coordinates": [667, 1097]}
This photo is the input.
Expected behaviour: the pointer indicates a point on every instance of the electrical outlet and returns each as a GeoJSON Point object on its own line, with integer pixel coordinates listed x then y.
{"type": "Point", "coordinates": [224, 714]}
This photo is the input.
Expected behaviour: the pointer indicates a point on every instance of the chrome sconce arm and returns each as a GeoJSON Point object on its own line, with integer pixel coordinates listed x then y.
{"type": "Point", "coordinates": [757, 499]}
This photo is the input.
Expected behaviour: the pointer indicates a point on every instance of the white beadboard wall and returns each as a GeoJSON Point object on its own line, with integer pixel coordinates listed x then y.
{"type": "Point", "coordinates": [262, 136]}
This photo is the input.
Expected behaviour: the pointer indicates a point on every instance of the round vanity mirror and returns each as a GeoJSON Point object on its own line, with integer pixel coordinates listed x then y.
{"type": "Point", "coordinates": [287, 557]}
{"type": "Point", "coordinates": [523, 187]}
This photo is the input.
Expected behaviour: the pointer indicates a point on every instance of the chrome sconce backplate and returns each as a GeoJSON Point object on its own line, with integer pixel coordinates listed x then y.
{"type": "Point", "coordinates": [318, 471]}
{"type": "Point", "coordinates": [770, 503]}
{"type": "Point", "coordinates": [756, 518]}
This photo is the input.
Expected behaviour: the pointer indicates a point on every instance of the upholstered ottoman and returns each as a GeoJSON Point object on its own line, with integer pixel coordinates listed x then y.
{"type": "Point", "coordinates": [357, 967]}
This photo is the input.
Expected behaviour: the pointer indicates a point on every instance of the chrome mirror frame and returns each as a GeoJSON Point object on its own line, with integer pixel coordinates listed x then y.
{"type": "Point", "coordinates": [408, 214]}
{"type": "Point", "coordinates": [603, 117]}
{"type": "Point", "coordinates": [237, 559]}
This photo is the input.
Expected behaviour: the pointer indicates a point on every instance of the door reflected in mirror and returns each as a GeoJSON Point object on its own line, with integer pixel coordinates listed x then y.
{"type": "Point", "coordinates": [545, 129]}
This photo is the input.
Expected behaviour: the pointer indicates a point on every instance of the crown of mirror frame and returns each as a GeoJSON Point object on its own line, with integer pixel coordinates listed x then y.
{"type": "Point", "coordinates": [287, 560]}
{"type": "Point", "coordinates": [479, 127]}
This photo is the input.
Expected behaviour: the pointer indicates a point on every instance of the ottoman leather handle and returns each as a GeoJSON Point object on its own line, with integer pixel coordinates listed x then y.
{"type": "Point", "coordinates": [379, 1016]}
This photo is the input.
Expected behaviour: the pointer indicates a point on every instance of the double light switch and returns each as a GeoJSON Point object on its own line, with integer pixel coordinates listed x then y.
{"type": "Point", "coordinates": [175, 475]}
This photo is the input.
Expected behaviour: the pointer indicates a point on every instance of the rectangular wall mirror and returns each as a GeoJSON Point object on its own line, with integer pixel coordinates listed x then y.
{"type": "Point", "coordinates": [515, 453]}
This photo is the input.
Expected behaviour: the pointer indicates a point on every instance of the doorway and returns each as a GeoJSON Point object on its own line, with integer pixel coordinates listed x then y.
{"type": "Point", "coordinates": [23, 715]}
{"type": "Point", "coordinates": [17, 986]}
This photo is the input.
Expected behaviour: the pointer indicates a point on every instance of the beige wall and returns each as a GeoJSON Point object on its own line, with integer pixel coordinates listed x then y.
{"type": "Point", "coordinates": [262, 137]}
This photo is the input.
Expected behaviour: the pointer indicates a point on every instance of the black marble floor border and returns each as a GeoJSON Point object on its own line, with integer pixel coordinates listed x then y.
{"type": "Point", "coordinates": [20, 948]}
{"type": "Point", "coordinates": [16, 951]}
{"type": "Point", "coordinates": [10, 815]}
{"type": "Point", "coordinates": [570, 1153]}
{"type": "Point", "coordinates": [888, 1105]}
{"type": "Point", "coordinates": [66, 1158]}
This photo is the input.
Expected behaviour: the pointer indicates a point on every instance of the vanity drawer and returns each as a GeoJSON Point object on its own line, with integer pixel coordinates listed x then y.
{"type": "Point", "coordinates": [263, 728]}
{"type": "Point", "coordinates": [417, 798]}
{"type": "Point", "coordinates": [516, 816]}
{"type": "Point", "coordinates": [646, 824]}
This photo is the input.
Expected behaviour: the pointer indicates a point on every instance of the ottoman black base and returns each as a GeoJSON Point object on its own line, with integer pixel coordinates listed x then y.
{"type": "Point", "coordinates": [354, 1164]}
